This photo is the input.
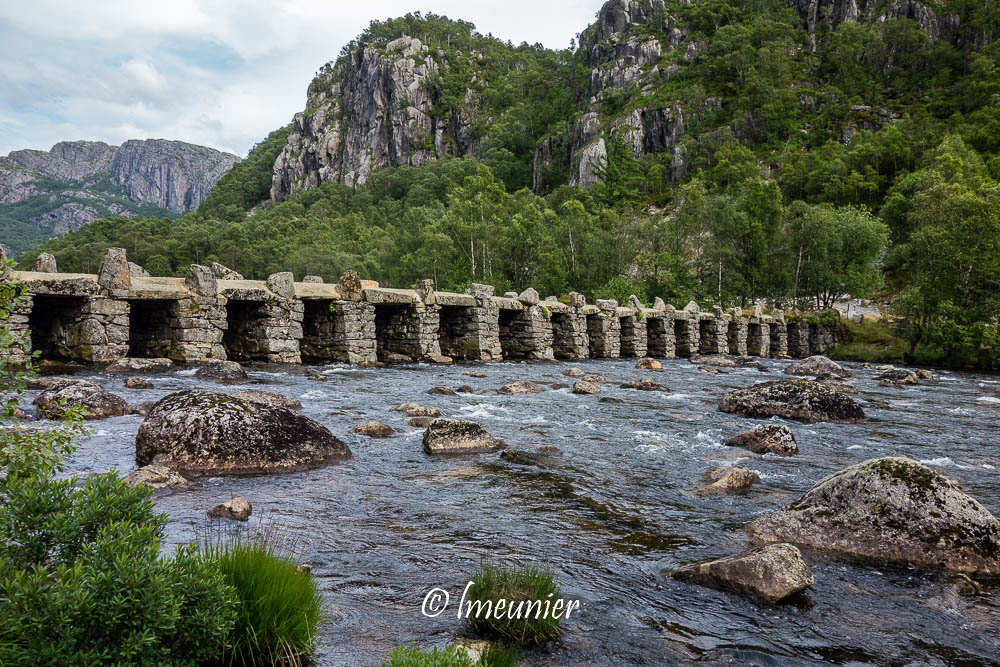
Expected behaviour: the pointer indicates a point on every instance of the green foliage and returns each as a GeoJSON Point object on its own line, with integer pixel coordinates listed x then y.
{"type": "Point", "coordinates": [82, 581]}
{"type": "Point", "coordinates": [279, 606]}
{"type": "Point", "coordinates": [495, 655]}
{"type": "Point", "coordinates": [493, 583]}
{"type": "Point", "coordinates": [870, 341]}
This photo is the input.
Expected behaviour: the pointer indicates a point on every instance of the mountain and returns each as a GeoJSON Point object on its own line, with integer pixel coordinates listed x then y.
{"type": "Point", "coordinates": [45, 194]}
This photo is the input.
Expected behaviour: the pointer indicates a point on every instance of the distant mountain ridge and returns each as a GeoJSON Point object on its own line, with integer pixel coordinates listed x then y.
{"type": "Point", "coordinates": [47, 193]}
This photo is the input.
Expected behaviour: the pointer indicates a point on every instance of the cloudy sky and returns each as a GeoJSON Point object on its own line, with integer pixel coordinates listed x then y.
{"type": "Point", "coordinates": [221, 73]}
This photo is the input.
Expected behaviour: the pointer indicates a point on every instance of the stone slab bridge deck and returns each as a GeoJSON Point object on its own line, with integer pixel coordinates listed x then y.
{"type": "Point", "coordinates": [213, 313]}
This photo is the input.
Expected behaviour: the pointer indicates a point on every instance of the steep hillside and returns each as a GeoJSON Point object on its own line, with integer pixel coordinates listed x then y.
{"type": "Point", "coordinates": [45, 194]}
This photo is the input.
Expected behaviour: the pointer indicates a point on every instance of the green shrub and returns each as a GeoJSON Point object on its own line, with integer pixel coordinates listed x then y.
{"type": "Point", "coordinates": [870, 341]}
{"type": "Point", "coordinates": [280, 606]}
{"type": "Point", "coordinates": [82, 581]}
{"type": "Point", "coordinates": [492, 583]}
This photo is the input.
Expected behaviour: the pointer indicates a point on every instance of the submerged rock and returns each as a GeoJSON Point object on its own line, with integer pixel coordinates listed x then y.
{"type": "Point", "coordinates": [817, 365]}
{"type": "Point", "coordinates": [96, 401]}
{"type": "Point", "coordinates": [574, 373]}
{"type": "Point", "coordinates": [223, 372]}
{"type": "Point", "coordinates": [132, 365]}
{"type": "Point", "coordinates": [237, 509]}
{"type": "Point", "coordinates": [521, 387]}
{"type": "Point", "coordinates": [474, 374]}
{"type": "Point", "coordinates": [542, 456]}
{"type": "Point", "coordinates": [458, 436]}
{"type": "Point", "coordinates": [768, 438]}
{"type": "Point", "coordinates": [373, 429]}
{"type": "Point", "coordinates": [209, 433]}
{"type": "Point", "coordinates": [923, 374]}
{"type": "Point", "coordinates": [584, 387]}
{"type": "Point", "coordinates": [771, 573]}
{"type": "Point", "coordinates": [803, 400]}
{"type": "Point", "coordinates": [890, 510]}
{"type": "Point", "coordinates": [726, 479]}
{"type": "Point", "coordinates": [443, 391]}
{"type": "Point", "coordinates": [268, 398]}
{"type": "Point", "coordinates": [138, 383]}
{"type": "Point", "coordinates": [644, 384]}
{"type": "Point", "coordinates": [155, 477]}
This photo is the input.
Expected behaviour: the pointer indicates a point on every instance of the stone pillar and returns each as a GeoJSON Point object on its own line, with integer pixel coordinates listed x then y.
{"type": "Point", "coordinates": [352, 337]}
{"type": "Point", "coordinates": [527, 333]}
{"type": "Point", "coordinates": [197, 326]}
{"type": "Point", "coordinates": [17, 321]}
{"type": "Point", "coordinates": [604, 330]}
{"type": "Point", "coordinates": [102, 331]}
{"type": "Point", "coordinates": [486, 316]}
{"type": "Point", "coordinates": [779, 337]}
{"type": "Point", "coordinates": [798, 339]}
{"type": "Point", "coordinates": [114, 275]}
{"type": "Point", "coordinates": [687, 333]}
{"type": "Point", "coordinates": [45, 263]}
{"type": "Point", "coordinates": [660, 341]}
{"type": "Point", "coordinates": [569, 330]}
{"type": "Point", "coordinates": [633, 335]}
{"type": "Point", "coordinates": [714, 333]}
{"type": "Point", "coordinates": [759, 338]}
{"type": "Point", "coordinates": [737, 333]}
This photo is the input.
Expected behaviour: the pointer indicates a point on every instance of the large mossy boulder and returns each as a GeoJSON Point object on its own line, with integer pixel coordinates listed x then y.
{"type": "Point", "coordinates": [95, 400]}
{"type": "Point", "coordinates": [890, 510]}
{"type": "Point", "coordinates": [802, 400]}
{"type": "Point", "coordinates": [207, 433]}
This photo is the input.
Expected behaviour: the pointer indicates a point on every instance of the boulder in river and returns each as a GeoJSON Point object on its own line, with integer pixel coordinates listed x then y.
{"type": "Point", "coordinates": [373, 429]}
{"type": "Point", "coordinates": [458, 436]}
{"type": "Point", "coordinates": [443, 391]}
{"type": "Point", "coordinates": [837, 384]}
{"type": "Point", "coordinates": [890, 510]}
{"type": "Point", "coordinates": [521, 387]}
{"type": "Point", "coordinates": [767, 438]}
{"type": "Point", "coordinates": [802, 400]}
{"type": "Point", "coordinates": [223, 372]}
{"type": "Point", "coordinates": [542, 456]}
{"type": "Point", "coordinates": [897, 379]}
{"type": "Point", "coordinates": [129, 365]}
{"type": "Point", "coordinates": [237, 509]}
{"type": "Point", "coordinates": [770, 573]}
{"type": "Point", "coordinates": [155, 477]}
{"type": "Point", "coordinates": [817, 365]}
{"type": "Point", "coordinates": [584, 387]}
{"type": "Point", "coordinates": [417, 410]}
{"type": "Point", "coordinates": [729, 479]}
{"type": "Point", "coordinates": [644, 384]}
{"type": "Point", "coordinates": [574, 372]}
{"type": "Point", "coordinates": [96, 401]}
{"type": "Point", "coordinates": [138, 383]}
{"type": "Point", "coordinates": [209, 433]}
{"type": "Point", "coordinates": [268, 398]}
{"type": "Point", "coordinates": [649, 364]}
{"type": "Point", "coordinates": [923, 374]}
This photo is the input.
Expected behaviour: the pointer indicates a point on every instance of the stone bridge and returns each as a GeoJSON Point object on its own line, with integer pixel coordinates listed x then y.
{"type": "Point", "coordinates": [213, 313]}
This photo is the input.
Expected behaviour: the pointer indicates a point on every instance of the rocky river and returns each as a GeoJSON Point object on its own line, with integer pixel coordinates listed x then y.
{"type": "Point", "coordinates": [617, 508]}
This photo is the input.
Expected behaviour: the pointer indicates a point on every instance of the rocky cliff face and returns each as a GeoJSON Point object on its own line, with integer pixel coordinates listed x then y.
{"type": "Point", "coordinates": [376, 109]}
{"type": "Point", "coordinates": [78, 182]}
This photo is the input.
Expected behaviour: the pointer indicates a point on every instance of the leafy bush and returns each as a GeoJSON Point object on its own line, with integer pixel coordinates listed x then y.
{"type": "Point", "coordinates": [870, 341]}
{"type": "Point", "coordinates": [279, 607]}
{"type": "Point", "coordinates": [492, 583]}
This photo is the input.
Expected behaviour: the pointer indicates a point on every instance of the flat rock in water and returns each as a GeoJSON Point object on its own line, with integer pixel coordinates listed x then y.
{"type": "Point", "coordinates": [458, 436]}
{"type": "Point", "coordinates": [138, 383]}
{"type": "Point", "coordinates": [540, 457]}
{"type": "Point", "coordinates": [97, 402]}
{"type": "Point", "coordinates": [269, 398]}
{"type": "Point", "coordinates": [802, 400]}
{"type": "Point", "coordinates": [725, 480]}
{"type": "Point", "coordinates": [890, 510]}
{"type": "Point", "coordinates": [649, 364]}
{"type": "Point", "coordinates": [771, 573]}
{"type": "Point", "coordinates": [443, 391]}
{"type": "Point", "coordinates": [521, 387]}
{"type": "Point", "coordinates": [132, 365]}
{"type": "Point", "coordinates": [373, 429]}
{"type": "Point", "coordinates": [644, 384]}
{"type": "Point", "coordinates": [574, 373]}
{"type": "Point", "coordinates": [767, 438]}
{"type": "Point", "coordinates": [584, 387]}
{"type": "Point", "coordinates": [155, 477]}
{"type": "Point", "coordinates": [208, 433]}
{"type": "Point", "coordinates": [817, 365]}
{"type": "Point", "coordinates": [223, 372]}
{"type": "Point", "coordinates": [417, 410]}
{"type": "Point", "coordinates": [237, 509]}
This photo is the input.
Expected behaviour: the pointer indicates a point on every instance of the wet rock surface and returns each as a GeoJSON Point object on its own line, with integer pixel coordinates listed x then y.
{"type": "Point", "coordinates": [817, 365]}
{"type": "Point", "coordinates": [458, 436]}
{"type": "Point", "coordinates": [521, 387]}
{"type": "Point", "coordinates": [724, 480]}
{"type": "Point", "coordinates": [771, 573]}
{"type": "Point", "coordinates": [207, 433]}
{"type": "Point", "coordinates": [222, 372]}
{"type": "Point", "coordinates": [890, 510]}
{"type": "Point", "coordinates": [237, 509]}
{"type": "Point", "coordinates": [801, 400]}
{"type": "Point", "coordinates": [373, 429]}
{"type": "Point", "coordinates": [96, 402]}
{"type": "Point", "coordinates": [768, 438]}
{"type": "Point", "coordinates": [130, 365]}
{"type": "Point", "coordinates": [155, 477]}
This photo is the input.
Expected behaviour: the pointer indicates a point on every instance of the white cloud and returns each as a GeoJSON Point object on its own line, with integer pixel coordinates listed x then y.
{"type": "Point", "coordinates": [222, 73]}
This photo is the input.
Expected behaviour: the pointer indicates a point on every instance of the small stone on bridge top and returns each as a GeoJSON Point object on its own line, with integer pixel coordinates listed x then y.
{"type": "Point", "coordinates": [282, 284]}
{"type": "Point", "coordinates": [529, 297]}
{"type": "Point", "coordinates": [114, 274]}
{"type": "Point", "coordinates": [45, 263]}
{"type": "Point", "coordinates": [201, 281]}
{"type": "Point", "coordinates": [312, 279]}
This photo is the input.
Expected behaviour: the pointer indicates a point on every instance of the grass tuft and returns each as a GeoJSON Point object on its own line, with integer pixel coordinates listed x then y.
{"type": "Point", "coordinates": [280, 606]}
{"type": "Point", "coordinates": [492, 583]}
{"type": "Point", "coordinates": [451, 656]}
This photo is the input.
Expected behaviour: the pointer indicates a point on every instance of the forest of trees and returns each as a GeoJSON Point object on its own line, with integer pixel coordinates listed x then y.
{"type": "Point", "coordinates": [800, 188]}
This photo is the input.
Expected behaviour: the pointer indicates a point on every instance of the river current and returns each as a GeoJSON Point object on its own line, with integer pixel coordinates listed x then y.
{"type": "Point", "coordinates": [617, 509]}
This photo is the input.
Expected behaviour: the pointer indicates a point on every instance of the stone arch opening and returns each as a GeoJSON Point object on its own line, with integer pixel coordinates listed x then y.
{"type": "Point", "coordinates": [682, 335]}
{"type": "Point", "coordinates": [149, 332]}
{"type": "Point", "coordinates": [633, 336]}
{"type": "Point", "coordinates": [513, 329]}
{"type": "Point", "coordinates": [54, 322]}
{"type": "Point", "coordinates": [396, 331]}
{"type": "Point", "coordinates": [245, 337]}
{"type": "Point", "coordinates": [458, 332]}
{"type": "Point", "coordinates": [755, 340]}
{"type": "Point", "coordinates": [319, 331]}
